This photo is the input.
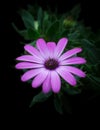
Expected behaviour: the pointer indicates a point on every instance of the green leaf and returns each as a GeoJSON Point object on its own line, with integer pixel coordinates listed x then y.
{"type": "Point", "coordinates": [71, 90]}
{"type": "Point", "coordinates": [91, 52]}
{"type": "Point", "coordinates": [14, 26]}
{"type": "Point", "coordinates": [27, 19]}
{"type": "Point", "coordinates": [73, 35]}
{"type": "Point", "coordinates": [23, 33]}
{"type": "Point", "coordinates": [58, 103]}
{"type": "Point", "coordinates": [46, 22]}
{"type": "Point", "coordinates": [53, 30]}
{"type": "Point", "coordinates": [28, 34]}
{"type": "Point", "coordinates": [95, 82]}
{"type": "Point", "coordinates": [36, 25]}
{"type": "Point", "coordinates": [41, 97]}
{"type": "Point", "coordinates": [33, 43]}
{"type": "Point", "coordinates": [87, 43]}
{"type": "Point", "coordinates": [40, 17]}
{"type": "Point", "coordinates": [75, 12]}
{"type": "Point", "coordinates": [64, 33]}
{"type": "Point", "coordinates": [33, 34]}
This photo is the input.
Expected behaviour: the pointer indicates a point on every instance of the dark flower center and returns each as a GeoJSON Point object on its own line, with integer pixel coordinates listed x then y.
{"type": "Point", "coordinates": [51, 64]}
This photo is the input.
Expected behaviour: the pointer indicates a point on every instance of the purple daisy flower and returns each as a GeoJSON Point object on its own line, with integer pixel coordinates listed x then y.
{"type": "Point", "coordinates": [47, 63]}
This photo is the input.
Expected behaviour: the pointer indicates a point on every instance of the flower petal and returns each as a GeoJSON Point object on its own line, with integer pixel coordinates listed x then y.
{"type": "Point", "coordinates": [33, 51]}
{"type": "Point", "coordinates": [39, 79]}
{"type": "Point", "coordinates": [70, 53]}
{"type": "Point", "coordinates": [41, 45]}
{"type": "Point", "coordinates": [31, 73]}
{"type": "Point", "coordinates": [27, 65]}
{"type": "Point", "coordinates": [75, 71]}
{"type": "Point", "coordinates": [29, 58]}
{"type": "Point", "coordinates": [51, 47]}
{"type": "Point", "coordinates": [73, 60]}
{"type": "Point", "coordinates": [66, 76]}
{"type": "Point", "coordinates": [55, 82]}
{"type": "Point", "coordinates": [60, 46]}
{"type": "Point", "coordinates": [46, 87]}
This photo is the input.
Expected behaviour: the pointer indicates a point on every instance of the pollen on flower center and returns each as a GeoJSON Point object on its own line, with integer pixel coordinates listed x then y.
{"type": "Point", "coordinates": [51, 64]}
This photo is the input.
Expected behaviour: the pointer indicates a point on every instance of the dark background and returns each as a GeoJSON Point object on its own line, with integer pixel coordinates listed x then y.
{"type": "Point", "coordinates": [17, 95]}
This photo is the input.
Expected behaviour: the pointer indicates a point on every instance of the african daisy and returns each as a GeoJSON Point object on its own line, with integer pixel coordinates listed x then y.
{"type": "Point", "coordinates": [46, 64]}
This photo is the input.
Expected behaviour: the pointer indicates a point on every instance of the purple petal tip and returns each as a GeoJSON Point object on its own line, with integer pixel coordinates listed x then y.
{"type": "Point", "coordinates": [84, 75]}
{"type": "Point", "coordinates": [16, 66]}
{"type": "Point", "coordinates": [85, 61]}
